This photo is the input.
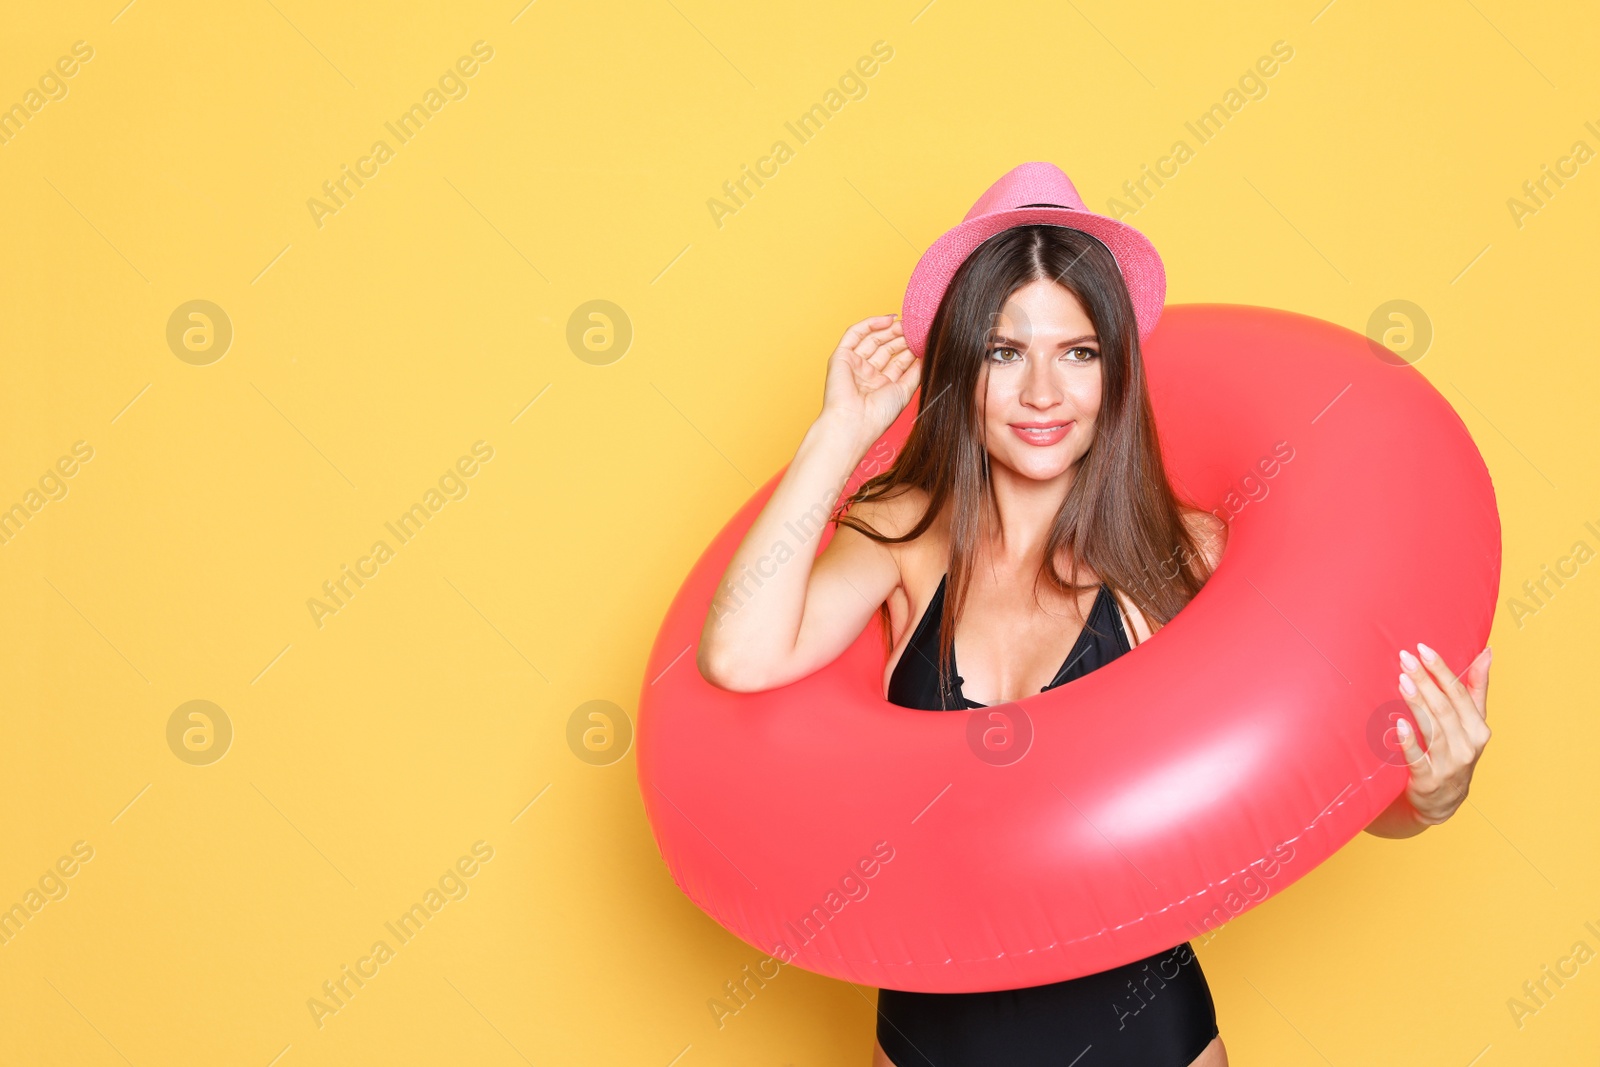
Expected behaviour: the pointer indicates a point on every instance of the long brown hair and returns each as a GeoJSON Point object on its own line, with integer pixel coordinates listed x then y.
{"type": "Point", "coordinates": [1121, 516]}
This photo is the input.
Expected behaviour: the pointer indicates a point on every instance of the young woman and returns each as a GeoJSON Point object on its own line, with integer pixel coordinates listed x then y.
{"type": "Point", "coordinates": [1028, 515]}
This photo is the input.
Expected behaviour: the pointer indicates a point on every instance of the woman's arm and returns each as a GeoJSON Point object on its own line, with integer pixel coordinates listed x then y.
{"type": "Point", "coordinates": [781, 611]}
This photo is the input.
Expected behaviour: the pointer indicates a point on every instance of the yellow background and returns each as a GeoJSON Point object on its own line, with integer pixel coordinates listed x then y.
{"type": "Point", "coordinates": [431, 310]}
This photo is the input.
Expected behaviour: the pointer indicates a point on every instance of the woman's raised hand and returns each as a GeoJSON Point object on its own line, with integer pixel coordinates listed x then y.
{"type": "Point", "coordinates": [799, 619]}
{"type": "Point", "coordinates": [871, 377]}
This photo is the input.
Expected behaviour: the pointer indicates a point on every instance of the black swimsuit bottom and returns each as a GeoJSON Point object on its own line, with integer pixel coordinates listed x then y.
{"type": "Point", "coordinates": [1154, 1012]}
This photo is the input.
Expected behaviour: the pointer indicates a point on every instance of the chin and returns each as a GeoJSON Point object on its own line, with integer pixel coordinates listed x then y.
{"type": "Point", "coordinates": [1040, 468]}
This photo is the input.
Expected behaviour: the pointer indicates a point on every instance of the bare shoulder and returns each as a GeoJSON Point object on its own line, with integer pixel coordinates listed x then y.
{"type": "Point", "coordinates": [893, 516]}
{"type": "Point", "coordinates": [1209, 532]}
{"type": "Point", "coordinates": [918, 563]}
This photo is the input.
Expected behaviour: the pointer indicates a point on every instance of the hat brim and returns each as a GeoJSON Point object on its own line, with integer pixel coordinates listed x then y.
{"type": "Point", "coordinates": [1137, 259]}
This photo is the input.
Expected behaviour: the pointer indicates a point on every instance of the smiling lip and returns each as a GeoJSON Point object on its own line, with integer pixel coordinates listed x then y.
{"type": "Point", "coordinates": [1041, 433]}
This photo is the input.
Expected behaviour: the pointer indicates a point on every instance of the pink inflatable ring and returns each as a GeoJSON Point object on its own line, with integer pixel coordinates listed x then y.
{"type": "Point", "coordinates": [1143, 804]}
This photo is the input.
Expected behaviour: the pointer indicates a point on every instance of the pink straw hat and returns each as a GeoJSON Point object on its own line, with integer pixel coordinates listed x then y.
{"type": "Point", "coordinates": [1032, 193]}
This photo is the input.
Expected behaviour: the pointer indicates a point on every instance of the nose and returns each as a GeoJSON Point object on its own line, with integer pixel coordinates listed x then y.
{"type": "Point", "coordinates": [1039, 386]}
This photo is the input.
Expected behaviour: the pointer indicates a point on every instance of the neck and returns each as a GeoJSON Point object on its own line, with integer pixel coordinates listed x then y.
{"type": "Point", "coordinates": [1017, 523]}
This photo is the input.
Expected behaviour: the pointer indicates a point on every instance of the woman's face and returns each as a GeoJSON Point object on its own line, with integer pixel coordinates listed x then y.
{"type": "Point", "coordinates": [1042, 383]}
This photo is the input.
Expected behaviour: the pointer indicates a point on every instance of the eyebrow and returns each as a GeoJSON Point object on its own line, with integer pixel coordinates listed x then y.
{"type": "Point", "coordinates": [1002, 340]}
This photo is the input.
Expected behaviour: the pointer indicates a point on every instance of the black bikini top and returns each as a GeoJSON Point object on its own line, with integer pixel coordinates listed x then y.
{"type": "Point", "coordinates": [915, 682]}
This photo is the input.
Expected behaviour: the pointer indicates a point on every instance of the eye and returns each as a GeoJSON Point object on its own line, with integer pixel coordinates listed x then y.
{"type": "Point", "coordinates": [1080, 354]}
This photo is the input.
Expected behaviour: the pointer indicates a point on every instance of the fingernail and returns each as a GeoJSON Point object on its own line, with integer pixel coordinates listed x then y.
{"type": "Point", "coordinates": [1403, 728]}
{"type": "Point", "coordinates": [1407, 686]}
{"type": "Point", "coordinates": [1427, 653]}
{"type": "Point", "coordinates": [1408, 661]}
{"type": "Point", "coordinates": [1489, 655]}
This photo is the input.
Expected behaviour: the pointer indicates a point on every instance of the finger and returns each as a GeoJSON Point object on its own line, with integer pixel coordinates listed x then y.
{"type": "Point", "coordinates": [854, 334]}
{"type": "Point", "coordinates": [1478, 681]}
{"type": "Point", "coordinates": [899, 364]}
{"type": "Point", "coordinates": [858, 356]}
{"type": "Point", "coordinates": [888, 353]}
{"type": "Point", "coordinates": [1450, 733]}
{"type": "Point", "coordinates": [1474, 706]}
{"type": "Point", "coordinates": [1446, 679]}
{"type": "Point", "coordinates": [1465, 713]}
{"type": "Point", "coordinates": [1416, 759]}
{"type": "Point", "coordinates": [905, 370]}
{"type": "Point", "coordinates": [875, 340]}
{"type": "Point", "coordinates": [1425, 721]}
{"type": "Point", "coordinates": [912, 378]}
